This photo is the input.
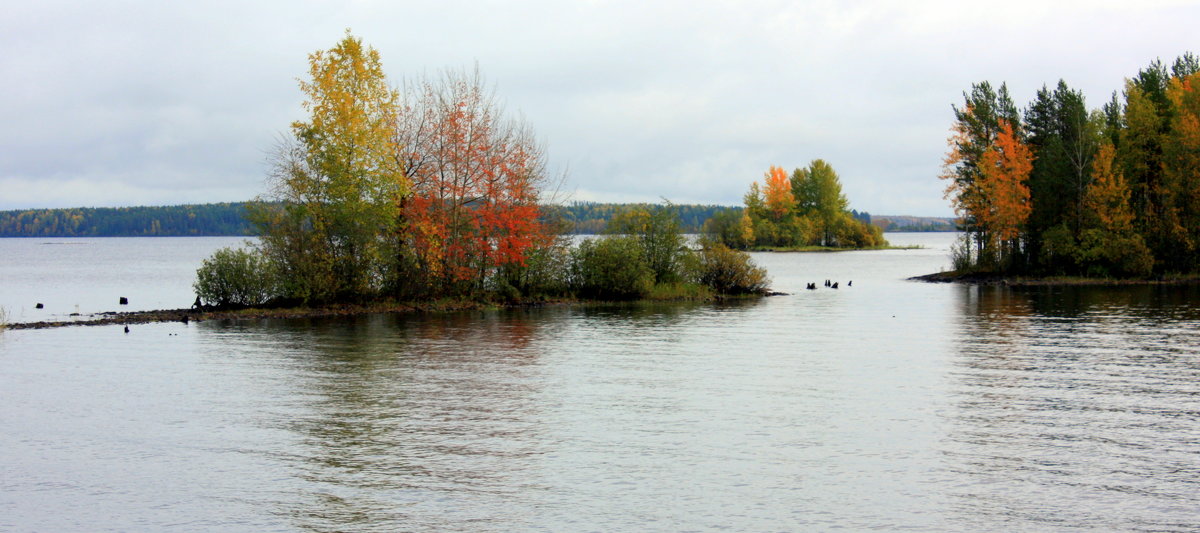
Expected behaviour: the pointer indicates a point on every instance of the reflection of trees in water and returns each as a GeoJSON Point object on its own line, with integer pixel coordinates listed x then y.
{"type": "Point", "coordinates": [408, 417]}
{"type": "Point", "coordinates": [638, 315]}
{"type": "Point", "coordinates": [1129, 301]}
{"type": "Point", "coordinates": [1074, 407]}
{"type": "Point", "coordinates": [435, 421]}
{"type": "Point", "coordinates": [996, 311]}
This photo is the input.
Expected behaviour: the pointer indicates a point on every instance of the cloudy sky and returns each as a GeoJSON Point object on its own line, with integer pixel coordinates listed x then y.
{"type": "Point", "coordinates": [150, 103]}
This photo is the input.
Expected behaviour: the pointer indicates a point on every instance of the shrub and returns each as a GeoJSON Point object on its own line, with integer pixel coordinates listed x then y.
{"type": "Point", "coordinates": [236, 277]}
{"type": "Point", "coordinates": [961, 254]}
{"type": "Point", "coordinates": [801, 231]}
{"type": "Point", "coordinates": [1106, 253]}
{"type": "Point", "coordinates": [1059, 251]}
{"type": "Point", "coordinates": [729, 271]}
{"type": "Point", "coordinates": [850, 232]}
{"type": "Point", "coordinates": [731, 227]}
{"type": "Point", "coordinates": [658, 235]}
{"type": "Point", "coordinates": [611, 268]}
{"type": "Point", "coordinates": [544, 273]}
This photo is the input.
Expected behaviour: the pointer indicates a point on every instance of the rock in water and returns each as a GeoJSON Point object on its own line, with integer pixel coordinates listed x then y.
{"type": "Point", "coordinates": [124, 301]}
{"type": "Point", "coordinates": [39, 306]}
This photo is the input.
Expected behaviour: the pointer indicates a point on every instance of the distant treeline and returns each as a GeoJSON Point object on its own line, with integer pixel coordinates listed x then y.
{"type": "Point", "coordinates": [148, 221]}
{"type": "Point", "coordinates": [229, 219]}
{"type": "Point", "coordinates": [897, 223]}
{"type": "Point", "coordinates": [591, 217]}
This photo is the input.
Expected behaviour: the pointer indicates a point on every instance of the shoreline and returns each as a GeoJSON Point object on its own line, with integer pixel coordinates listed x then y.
{"type": "Point", "coordinates": [111, 318]}
{"type": "Point", "coordinates": [1050, 281]}
{"type": "Point", "coordinates": [827, 249]}
{"type": "Point", "coordinates": [115, 318]}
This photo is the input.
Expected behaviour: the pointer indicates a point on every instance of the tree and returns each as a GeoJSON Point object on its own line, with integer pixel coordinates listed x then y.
{"type": "Point", "coordinates": [974, 130]}
{"type": "Point", "coordinates": [973, 133]}
{"type": "Point", "coordinates": [1109, 243]}
{"type": "Point", "coordinates": [806, 209]}
{"type": "Point", "coordinates": [1004, 170]}
{"type": "Point", "coordinates": [1181, 159]}
{"type": "Point", "coordinates": [476, 177]}
{"type": "Point", "coordinates": [657, 232]}
{"type": "Point", "coordinates": [731, 227]}
{"type": "Point", "coordinates": [777, 192]}
{"type": "Point", "coordinates": [337, 185]}
{"type": "Point", "coordinates": [1065, 136]}
{"type": "Point", "coordinates": [1140, 153]}
{"type": "Point", "coordinates": [1106, 202]}
{"type": "Point", "coordinates": [1116, 190]}
{"type": "Point", "coordinates": [753, 199]}
{"type": "Point", "coordinates": [819, 198]}
{"type": "Point", "coordinates": [826, 199]}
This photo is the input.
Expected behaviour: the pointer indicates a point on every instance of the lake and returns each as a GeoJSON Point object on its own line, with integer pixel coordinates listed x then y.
{"type": "Point", "coordinates": [887, 404]}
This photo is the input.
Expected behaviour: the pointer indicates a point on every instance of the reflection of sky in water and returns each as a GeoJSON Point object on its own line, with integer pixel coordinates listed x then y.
{"type": "Point", "coordinates": [1080, 394]}
{"type": "Point", "coordinates": [889, 404]}
{"type": "Point", "coordinates": [89, 275]}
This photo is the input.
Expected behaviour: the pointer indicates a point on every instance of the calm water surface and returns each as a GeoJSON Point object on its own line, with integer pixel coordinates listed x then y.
{"type": "Point", "coordinates": [888, 405]}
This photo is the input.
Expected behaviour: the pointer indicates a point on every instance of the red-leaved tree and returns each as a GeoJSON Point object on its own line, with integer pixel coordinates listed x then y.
{"type": "Point", "coordinates": [475, 176]}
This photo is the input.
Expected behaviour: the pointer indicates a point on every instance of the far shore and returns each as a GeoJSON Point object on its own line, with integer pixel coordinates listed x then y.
{"type": "Point", "coordinates": [809, 249]}
{"type": "Point", "coordinates": [977, 278]}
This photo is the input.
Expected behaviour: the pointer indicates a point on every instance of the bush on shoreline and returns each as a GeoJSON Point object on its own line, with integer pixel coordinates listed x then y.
{"type": "Point", "coordinates": [611, 268]}
{"type": "Point", "coordinates": [729, 271]}
{"type": "Point", "coordinates": [235, 277]}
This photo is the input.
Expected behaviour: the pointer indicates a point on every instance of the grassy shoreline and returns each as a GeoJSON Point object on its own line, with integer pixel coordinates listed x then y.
{"type": "Point", "coordinates": [112, 318]}
{"type": "Point", "coordinates": [985, 278]}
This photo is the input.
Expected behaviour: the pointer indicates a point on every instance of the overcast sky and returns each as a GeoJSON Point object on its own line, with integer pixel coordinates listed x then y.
{"type": "Point", "coordinates": [152, 103]}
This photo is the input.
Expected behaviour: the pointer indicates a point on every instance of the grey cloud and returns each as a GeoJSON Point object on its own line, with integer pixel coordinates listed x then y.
{"type": "Point", "coordinates": [155, 102]}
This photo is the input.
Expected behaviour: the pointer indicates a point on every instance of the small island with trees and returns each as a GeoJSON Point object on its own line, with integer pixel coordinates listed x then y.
{"type": "Point", "coordinates": [802, 212]}
{"type": "Point", "coordinates": [433, 195]}
{"type": "Point", "coordinates": [1067, 195]}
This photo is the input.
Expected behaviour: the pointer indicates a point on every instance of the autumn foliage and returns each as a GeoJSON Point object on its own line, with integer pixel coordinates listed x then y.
{"type": "Point", "coordinates": [1111, 192]}
{"type": "Point", "coordinates": [387, 194]}
{"type": "Point", "coordinates": [434, 193]}
{"type": "Point", "coordinates": [804, 209]}
{"type": "Point", "coordinates": [475, 178]}
{"type": "Point", "coordinates": [1003, 171]}
{"type": "Point", "coordinates": [777, 191]}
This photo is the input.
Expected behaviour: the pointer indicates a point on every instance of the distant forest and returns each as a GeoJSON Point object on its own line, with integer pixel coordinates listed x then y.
{"type": "Point", "coordinates": [150, 221]}
{"type": "Point", "coordinates": [895, 223]}
{"type": "Point", "coordinates": [229, 219]}
{"type": "Point", "coordinates": [591, 218]}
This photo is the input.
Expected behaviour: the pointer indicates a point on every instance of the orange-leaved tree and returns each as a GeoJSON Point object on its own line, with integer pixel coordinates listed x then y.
{"type": "Point", "coordinates": [1004, 171]}
{"type": "Point", "coordinates": [777, 191]}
